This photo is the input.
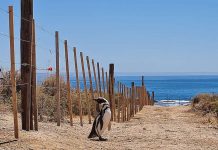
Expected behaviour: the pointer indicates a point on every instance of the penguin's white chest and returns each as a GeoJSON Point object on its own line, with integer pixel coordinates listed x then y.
{"type": "Point", "coordinates": [106, 120]}
{"type": "Point", "coordinates": [107, 116]}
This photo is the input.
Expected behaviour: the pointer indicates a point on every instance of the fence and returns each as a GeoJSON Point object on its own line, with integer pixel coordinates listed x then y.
{"type": "Point", "coordinates": [125, 101]}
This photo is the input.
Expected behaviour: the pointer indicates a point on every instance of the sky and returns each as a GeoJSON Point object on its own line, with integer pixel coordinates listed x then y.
{"type": "Point", "coordinates": [138, 36]}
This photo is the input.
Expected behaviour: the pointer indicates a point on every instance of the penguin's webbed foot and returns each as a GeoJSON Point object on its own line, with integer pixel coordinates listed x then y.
{"type": "Point", "coordinates": [102, 139]}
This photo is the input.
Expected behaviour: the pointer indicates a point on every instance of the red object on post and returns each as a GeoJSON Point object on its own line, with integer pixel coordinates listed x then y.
{"type": "Point", "coordinates": [49, 68]}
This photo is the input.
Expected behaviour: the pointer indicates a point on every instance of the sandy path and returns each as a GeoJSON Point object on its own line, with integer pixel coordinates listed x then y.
{"type": "Point", "coordinates": [152, 128]}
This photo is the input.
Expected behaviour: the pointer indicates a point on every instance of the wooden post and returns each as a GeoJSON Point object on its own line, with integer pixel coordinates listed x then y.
{"type": "Point", "coordinates": [142, 96]}
{"type": "Point", "coordinates": [127, 102]}
{"type": "Point", "coordinates": [103, 83]}
{"type": "Point", "coordinates": [85, 87]}
{"type": "Point", "coordinates": [146, 96]}
{"type": "Point", "coordinates": [25, 47]}
{"type": "Point", "coordinates": [149, 98]}
{"type": "Point", "coordinates": [99, 79]}
{"type": "Point", "coordinates": [122, 103]}
{"type": "Point", "coordinates": [107, 84]}
{"type": "Point", "coordinates": [114, 107]}
{"type": "Point", "coordinates": [13, 80]}
{"type": "Point", "coordinates": [111, 89]}
{"type": "Point", "coordinates": [152, 102]}
{"type": "Point", "coordinates": [33, 82]}
{"type": "Point", "coordinates": [96, 83]}
{"type": "Point", "coordinates": [143, 91]}
{"type": "Point", "coordinates": [118, 102]}
{"type": "Point", "coordinates": [90, 79]}
{"type": "Point", "coordinates": [125, 99]}
{"type": "Point", "coordinates": [31, 78]}
{"type": "Point", "coordinates": [57, 79]}
{"type": "Point", "coordinates": [133, 99]}
{"type": "Point", "coordinates": [137, 96]}
{"type": "Point", "coordinates": [130, 102]}
{"type": "Point", "coordinates": [78, 86]}
{"type": "Point", "coordinates": [68, 84]}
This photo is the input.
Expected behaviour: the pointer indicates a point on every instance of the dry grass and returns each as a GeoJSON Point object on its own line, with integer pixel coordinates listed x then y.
{"type": "Point", "coordinates": [46, 97]}
{"type": "Point", "coordinates": [206, 103]}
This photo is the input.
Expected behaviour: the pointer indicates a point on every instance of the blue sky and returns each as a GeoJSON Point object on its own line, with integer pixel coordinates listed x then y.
{"type": "Point", "coordinates": [150, 36]}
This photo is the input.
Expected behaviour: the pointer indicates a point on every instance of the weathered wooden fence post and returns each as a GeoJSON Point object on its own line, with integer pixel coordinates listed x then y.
{"type": "Point", "coordinates": [13, 80]}
{"type": "Point", "coordinates": [149, 98]}
{"type": "Point", "coordinates": [103, 83]}
{"type": "Point", "coordinates": [26, 60]}
{"type": "Point", "coordinates": [124, 96]}
{"type": "Point", "coordinates": [140, 97]}
{"type": "Point", "coordinates": [111, 89]}
{"type": "Point", "coordinates": [68, 84]}
{"type": "Point", "coordinates": [85, 87]}
{"type": "Point", "coordinates": [33, 82]}
{"type": "Point", "coordinates": [78, 87]}
{"type": "Point", "coordinates": [90, 81]}
{"type": "Point", "coordinates": [107, 84]}
{"type": "Point", "coordinates": [127, 96]}
{"type": "Point", "coordinates": [143, 92]}
{"type": "Point", "coordinates": [96, 82]}
{"type": "Point", "coordinates": [99, 79]}
{"type": "Point", "coordinates": [123, 102]}
{"type": "Point", "coordinates": [152, 102]}
{"type": "Point", "coordinates": [118, 102]}
{"type": "Point", "coordinates": [133, 99]}
{"type": "Point", "coordinates": [57, 79]}
{"type": "Point", "coordinates": [130, 102]}
{"type": "Point", "coordinates": [114, 101]}
{"type": "Point", "coordinates": [136, 98]}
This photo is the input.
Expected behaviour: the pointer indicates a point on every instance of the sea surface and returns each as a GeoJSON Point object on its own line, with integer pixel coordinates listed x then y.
{"type": "Point", "coordinates": [177, 87]}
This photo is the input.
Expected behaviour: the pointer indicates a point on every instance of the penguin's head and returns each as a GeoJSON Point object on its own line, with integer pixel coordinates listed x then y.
{"type": "Point", "coordinates": [102, 102]}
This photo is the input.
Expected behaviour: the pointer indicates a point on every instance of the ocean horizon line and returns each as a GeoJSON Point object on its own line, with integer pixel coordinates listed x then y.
{"type": "Point", "coordinates": [147, 73]}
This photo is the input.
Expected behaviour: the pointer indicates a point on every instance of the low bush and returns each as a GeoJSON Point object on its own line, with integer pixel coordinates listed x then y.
{"type": "Point", "coordinates": [207, 103]}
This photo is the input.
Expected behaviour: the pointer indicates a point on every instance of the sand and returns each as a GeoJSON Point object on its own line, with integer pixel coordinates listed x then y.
{"type": "Point", "coordinates": [153, 128]}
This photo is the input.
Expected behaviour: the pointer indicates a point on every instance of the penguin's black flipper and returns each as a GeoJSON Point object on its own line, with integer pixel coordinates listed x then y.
{"type": "Point", "coordinates": [93, 132]}
{"type": "Point", "coordinates": [101, 122]}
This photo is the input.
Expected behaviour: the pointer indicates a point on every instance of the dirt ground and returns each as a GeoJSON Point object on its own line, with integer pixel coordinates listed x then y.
{"type": "Point", "coordinates": [152, 128]}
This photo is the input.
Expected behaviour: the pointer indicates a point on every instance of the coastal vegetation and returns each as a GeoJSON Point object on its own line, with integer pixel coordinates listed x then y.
{"type": "Point", "coordinates": [206, 103]}
{"type": "Point", "coordinates": [45, 95]}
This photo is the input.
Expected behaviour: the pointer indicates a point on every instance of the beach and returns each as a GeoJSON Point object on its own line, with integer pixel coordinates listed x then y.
{"type": "Point", "coordinates": [155, 127]}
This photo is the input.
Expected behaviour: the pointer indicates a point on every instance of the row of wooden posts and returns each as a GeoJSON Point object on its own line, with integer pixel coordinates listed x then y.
{"type": "Point", "coordinates": [129, 101]}
{"type": "Point", "coordinates": [125, 102]}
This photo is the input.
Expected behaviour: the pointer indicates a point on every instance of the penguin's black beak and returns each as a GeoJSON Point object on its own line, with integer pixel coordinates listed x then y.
{"type": "Point", "coordinates": [95, 99]}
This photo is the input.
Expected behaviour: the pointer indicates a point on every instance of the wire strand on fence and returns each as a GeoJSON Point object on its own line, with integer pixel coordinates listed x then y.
{"type": "Point", "coordinates": [43, 29]}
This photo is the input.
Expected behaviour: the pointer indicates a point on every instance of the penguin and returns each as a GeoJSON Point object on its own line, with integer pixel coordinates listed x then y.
{"type": "Point", "coordinates": [102, 120]}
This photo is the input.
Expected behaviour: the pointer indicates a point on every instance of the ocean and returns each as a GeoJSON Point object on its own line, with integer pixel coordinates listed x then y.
{"type": "Point", "coordinates": [165, 87]}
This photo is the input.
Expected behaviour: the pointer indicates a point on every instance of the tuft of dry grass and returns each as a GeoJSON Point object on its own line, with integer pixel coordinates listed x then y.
{"type": "Point", "coordinates": [207, 103]}
{"type": "Point", "coordinates": [5, 88]}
